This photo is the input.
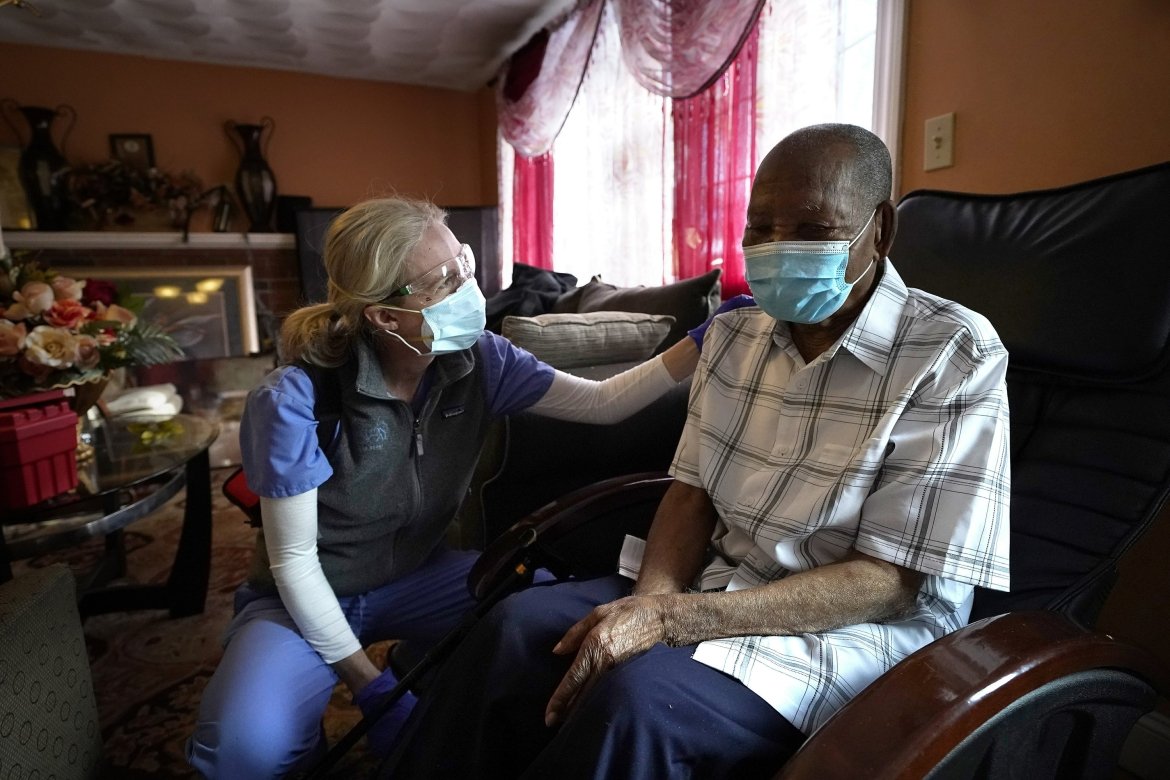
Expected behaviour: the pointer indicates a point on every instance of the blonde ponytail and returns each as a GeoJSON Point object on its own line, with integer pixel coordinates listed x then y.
{"type": "Point", "coordinates": [309, 335]}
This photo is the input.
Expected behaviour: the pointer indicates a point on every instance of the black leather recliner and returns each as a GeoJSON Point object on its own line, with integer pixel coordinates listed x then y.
{"type": "Point", "coordinates": [1077, 282]}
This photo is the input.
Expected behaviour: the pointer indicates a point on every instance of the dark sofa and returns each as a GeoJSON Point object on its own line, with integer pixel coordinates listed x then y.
{"type": "Point", "coordinates": [529, 460]}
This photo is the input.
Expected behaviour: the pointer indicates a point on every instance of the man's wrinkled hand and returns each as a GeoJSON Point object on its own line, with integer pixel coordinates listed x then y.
{"type": "Point", "coordinates": [607, 636]}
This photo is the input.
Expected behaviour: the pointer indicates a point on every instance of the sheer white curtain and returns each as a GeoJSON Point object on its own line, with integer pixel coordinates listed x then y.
{"type": "Point", "coordinates": [612, 182]}
{"type": "Point", "coordinates": [816, 65]}
{"type": "Point", "coordinates": [613, 179]}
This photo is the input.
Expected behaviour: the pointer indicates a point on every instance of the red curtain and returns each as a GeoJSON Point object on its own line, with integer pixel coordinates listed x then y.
{"type": "Point", "coordinates": [532, 210]}
{"type": "Point", "coordinates": [714, 158]}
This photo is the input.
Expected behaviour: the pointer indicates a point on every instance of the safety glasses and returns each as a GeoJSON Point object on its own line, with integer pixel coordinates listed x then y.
{"type": "Point", "coordinates": [443, 279]}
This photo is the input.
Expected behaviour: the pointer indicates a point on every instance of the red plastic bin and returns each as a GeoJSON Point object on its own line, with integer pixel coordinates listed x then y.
{"type": "Point", "coordinates": [38, 448]}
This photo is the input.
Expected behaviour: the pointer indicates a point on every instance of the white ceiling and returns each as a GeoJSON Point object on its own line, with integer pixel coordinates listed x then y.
{"type": "Point", "coordinates": [458, 44]}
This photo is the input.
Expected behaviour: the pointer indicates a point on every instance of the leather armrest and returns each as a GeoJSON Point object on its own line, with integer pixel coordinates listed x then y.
{"type": "Point", "coordinates": [538, 534]}
{"type": "Point", "coordinates": [910, 718]}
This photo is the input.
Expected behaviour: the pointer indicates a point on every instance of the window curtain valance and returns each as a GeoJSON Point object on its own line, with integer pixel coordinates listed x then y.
{"type": "Point", "coordinates": [537, 85]}
{"type": "Point", "coordinates": [674, 48]}
{"type": "Point", "coordinates": [678, 48]}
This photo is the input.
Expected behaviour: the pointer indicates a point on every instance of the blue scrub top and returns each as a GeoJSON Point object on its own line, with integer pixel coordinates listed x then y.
{"type": "Point", "coordinates": [278, 431]}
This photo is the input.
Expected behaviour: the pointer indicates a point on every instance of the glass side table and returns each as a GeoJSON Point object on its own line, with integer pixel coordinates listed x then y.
{"type": "Point", "coordinates": [139, 463]}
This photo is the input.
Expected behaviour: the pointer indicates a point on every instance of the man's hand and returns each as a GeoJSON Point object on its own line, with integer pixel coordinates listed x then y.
{"type": "Point", "coordinates": [608, 635]}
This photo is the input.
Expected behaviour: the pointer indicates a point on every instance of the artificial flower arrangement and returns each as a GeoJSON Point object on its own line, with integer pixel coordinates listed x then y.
{"type": "Point", "coordinates": [112, 192]}
{"type": "Point", "coordinates": [57, 332]}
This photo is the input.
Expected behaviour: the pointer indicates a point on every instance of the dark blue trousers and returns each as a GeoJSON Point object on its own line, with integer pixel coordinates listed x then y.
{"type": "Point", "coordinates": [658, 715]}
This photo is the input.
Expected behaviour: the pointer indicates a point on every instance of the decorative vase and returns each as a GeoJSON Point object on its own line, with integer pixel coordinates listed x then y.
{"type": "Point", "coordinates": [43, 168]}
{"type": "Point", "coordinates": [255, 182]}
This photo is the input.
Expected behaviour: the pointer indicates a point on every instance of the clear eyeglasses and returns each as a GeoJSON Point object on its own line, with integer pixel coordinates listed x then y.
{"type": "Point", "coordinates": [443, 279]}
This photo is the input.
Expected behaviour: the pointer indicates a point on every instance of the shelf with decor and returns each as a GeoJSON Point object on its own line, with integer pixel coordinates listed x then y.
{"type": "Point", "coordinates": [101, 239]}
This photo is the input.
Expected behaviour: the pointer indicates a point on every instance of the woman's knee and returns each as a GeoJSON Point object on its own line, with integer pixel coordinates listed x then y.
{"type": "Point", "coordinates": [261, 710]}
{"type": "Point", "coordinates": [252, 739]}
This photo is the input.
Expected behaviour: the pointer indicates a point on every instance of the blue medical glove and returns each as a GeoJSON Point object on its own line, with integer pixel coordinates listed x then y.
{"type": "Point", "coordinates": [738, 301]}
{"type": "Point", "coordinates": [383, 734]}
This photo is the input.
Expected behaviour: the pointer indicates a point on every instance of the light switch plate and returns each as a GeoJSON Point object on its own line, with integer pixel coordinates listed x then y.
{"type": "Point", "coordinates": [940, 142]}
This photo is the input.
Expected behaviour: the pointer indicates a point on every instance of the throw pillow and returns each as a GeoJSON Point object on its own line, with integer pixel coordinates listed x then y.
{"type": "Point", "coordinates": [690, 301]}
{"type": "Point", "coordinates": [572, 340]}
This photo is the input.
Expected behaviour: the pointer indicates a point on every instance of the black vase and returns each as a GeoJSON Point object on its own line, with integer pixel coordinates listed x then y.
{"type": "Point", "coordinates": [44, 171]}
{"type": "Point", "coordinates": [255, 183]}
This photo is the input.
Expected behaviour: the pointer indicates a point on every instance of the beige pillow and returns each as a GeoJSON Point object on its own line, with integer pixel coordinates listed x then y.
{"type": "Point", "coordinates": [690, 301]}
{"type": "Point", "coordinates": [592, 338]}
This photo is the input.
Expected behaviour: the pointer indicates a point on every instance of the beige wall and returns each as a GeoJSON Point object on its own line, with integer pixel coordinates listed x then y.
{"type": "Point", "coordinates": [336, 140]}
{"type": "Point", "coordinates": [1045, 92]}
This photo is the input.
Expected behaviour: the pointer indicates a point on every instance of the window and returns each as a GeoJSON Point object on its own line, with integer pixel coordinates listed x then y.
{"type": "Point", "coordinates": [818, 61]}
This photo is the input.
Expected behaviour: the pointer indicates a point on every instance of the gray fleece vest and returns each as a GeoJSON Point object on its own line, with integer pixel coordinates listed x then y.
{"type": "Point", "coordinates": [398, 478]}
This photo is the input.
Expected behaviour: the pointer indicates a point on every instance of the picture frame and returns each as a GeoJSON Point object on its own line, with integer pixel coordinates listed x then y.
{"type": "Point", "coordinates": [15, 211]}
{"type": "Point", "coordinates": [133, 149]}
{"type": "Point", "coordinates": [210, 311]}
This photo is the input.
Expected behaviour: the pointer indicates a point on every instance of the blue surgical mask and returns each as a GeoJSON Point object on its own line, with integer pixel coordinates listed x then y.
{"type": "Point", "coordinates": [801, 281]}
{"type": "Point", "coordinates": [454, 323]}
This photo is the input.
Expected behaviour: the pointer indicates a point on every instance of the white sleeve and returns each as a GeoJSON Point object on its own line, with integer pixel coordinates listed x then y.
{"type": "Point", "coordinates": [290, 534]}
{"type": "Point", "coordinates": [585, 400]}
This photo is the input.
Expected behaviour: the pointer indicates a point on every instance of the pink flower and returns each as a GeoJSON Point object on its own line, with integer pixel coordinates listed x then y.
{"type": "Point", "coordinates": [66, 289]}
{"type": "Point", "coordinates": [11, 338]}
{"type": "Point", "coordinates": [87, 352]}
{"type": "Point", "coordinates": [117, 314]}
{"type": "Point", "coordinates": [51, 347]}
{"type": "Point", "coordinates": [35, 297]}
{"type": "Point", "coordinates": [67, 313]}
{"type": "Point", "coordinates": [15, 312]}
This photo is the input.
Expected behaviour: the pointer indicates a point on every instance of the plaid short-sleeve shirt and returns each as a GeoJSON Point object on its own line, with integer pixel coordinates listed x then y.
{"type": "Point", "coordinates": [893, 442]}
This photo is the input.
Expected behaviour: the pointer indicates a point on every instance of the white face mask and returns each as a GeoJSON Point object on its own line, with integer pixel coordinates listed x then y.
{"type": "Point", "coordinates": [454, 323]}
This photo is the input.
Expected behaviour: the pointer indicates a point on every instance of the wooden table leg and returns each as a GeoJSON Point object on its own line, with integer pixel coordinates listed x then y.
{"type": "Point", "coordinates": [5, 565]}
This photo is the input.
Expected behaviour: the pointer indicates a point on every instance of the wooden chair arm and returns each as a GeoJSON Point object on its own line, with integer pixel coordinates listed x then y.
{"type": "Point", "coordinates": [910, 719]}
{"type": "Point", "coordinates": [553, 522]}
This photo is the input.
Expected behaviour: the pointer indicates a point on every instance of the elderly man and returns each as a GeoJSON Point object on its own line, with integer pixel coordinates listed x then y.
{"type": "Point", "coordinates": [840, 488]}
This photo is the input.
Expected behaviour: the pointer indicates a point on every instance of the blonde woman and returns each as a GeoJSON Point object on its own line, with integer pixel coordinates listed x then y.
{"type": "Point", "coordinates": [361, 448]}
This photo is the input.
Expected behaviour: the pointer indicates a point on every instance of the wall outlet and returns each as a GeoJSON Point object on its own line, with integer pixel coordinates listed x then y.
{"type": "Point", "coordinates": [940, 142]}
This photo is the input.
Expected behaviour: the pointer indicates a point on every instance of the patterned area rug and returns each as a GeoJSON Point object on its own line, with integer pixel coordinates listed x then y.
{"type": "Point", "coordinates": [149, 669]}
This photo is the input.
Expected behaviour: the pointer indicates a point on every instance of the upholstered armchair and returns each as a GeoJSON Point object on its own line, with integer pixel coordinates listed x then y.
{"type": "Point", "coordinates": [48, 715]}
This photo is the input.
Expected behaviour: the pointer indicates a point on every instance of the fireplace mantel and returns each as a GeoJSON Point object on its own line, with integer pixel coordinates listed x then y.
{"type": "Point", "coordinates": [272, 256]}
{"type": "Point", "coordinates": [79, 239]}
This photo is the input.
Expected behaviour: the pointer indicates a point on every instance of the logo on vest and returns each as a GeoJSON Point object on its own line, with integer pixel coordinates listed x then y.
{"type": "Point", "coordinates": [375, 436]}
{"type": "Point", "coordinates": [452, 411]}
